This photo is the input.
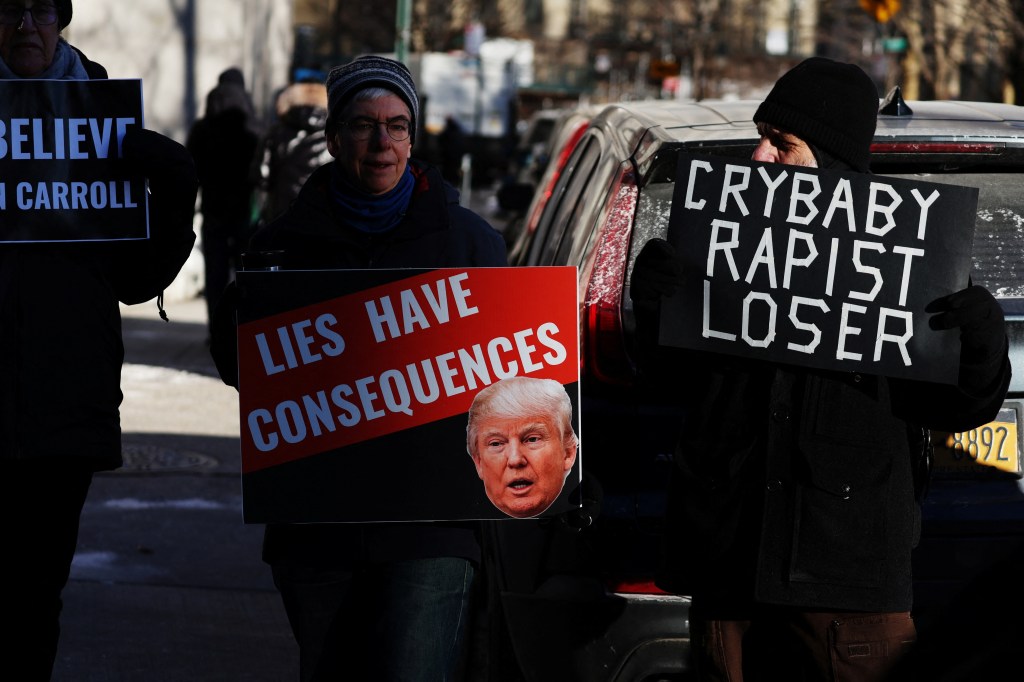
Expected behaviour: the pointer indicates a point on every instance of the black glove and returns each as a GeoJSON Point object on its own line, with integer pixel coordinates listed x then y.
{"type": "Point", "coordinates": [980, 319]}
{"type": "Point", "coordinates": [656, 274]}
{"type": "Point", "coordinates": [148, 266]}
{"type": "Point", "coordinates": [167, 165]}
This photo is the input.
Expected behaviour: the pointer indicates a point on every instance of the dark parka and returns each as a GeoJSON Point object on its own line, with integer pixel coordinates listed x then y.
{"type": "Point", "coordinates": [60, 323]}
{"type": "Point", "coordinates": [796, 487]}
{"type": "Point", "coordinates": [436, 232]}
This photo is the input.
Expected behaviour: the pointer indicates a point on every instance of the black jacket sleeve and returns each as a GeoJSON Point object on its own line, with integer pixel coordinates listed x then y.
{"type": "Point", "coordinates": [145, 268]}
{"type": "Point", "coordinates": [224, 335]}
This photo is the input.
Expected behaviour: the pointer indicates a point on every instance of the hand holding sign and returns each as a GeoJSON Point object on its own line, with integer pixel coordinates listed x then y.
{"type": "Point", "coordinates": [166, 164]}
{"type": "Point", "coordinates": [657, 273]}
{"type": "Point", "coordinates": [980, 319]}
{"type": "Point", "coordinates": [171, 205]}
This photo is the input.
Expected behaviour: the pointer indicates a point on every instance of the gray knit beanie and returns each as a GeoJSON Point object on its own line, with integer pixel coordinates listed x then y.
{"type": "Point", "coordinates": [343, 82]}
{"type": "Point", "coordinates": [828, 104]}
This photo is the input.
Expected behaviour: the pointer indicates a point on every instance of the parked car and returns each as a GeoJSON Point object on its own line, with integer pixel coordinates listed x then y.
{"type": "Point", "coordinates": [524, 197]}
{"type": "Point", "coordinates": [574, 598]}
{"type": "Point", "coordinates": [534, 146]}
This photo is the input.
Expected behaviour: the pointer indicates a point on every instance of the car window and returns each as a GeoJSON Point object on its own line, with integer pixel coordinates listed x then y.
{"type": "Point", "coordinates": [591, 211]}
{"type": "Point", "coordinates": [566, 199]}
{"type": "Point", "coordinates": [999, 229]}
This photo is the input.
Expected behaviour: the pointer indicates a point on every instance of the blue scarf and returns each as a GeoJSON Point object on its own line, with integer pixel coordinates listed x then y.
{"type": "Point", "coordinates": [372, 213]}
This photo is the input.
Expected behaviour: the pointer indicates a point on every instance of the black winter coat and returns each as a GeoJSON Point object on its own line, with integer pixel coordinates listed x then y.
{"type": "Point", "coordinates": [796, 487]}
{"type": "Point", "coordinates": [436, 232]}
{"type": "Point", "coordinates": [60, 323]}
{"type": "Point", "coordinates": [223, 144]}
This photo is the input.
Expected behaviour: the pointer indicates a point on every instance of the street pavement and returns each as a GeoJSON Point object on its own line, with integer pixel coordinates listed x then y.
{"type": "Point", "coordinates": [167, 584]}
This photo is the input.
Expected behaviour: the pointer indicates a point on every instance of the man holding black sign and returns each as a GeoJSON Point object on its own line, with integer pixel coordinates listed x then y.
{"type": "Point", "coordinates": [61, 349]}
{"type": "Point", "coordinates": [792, 510]}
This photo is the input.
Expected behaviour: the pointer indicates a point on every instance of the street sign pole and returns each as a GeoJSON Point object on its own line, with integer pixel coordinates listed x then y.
{"type": "Point", "coordinates": [403, 19]}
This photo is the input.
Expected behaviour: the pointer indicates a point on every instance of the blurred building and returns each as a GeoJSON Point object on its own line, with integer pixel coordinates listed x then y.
{"type": "Point", "coordinates": [612, 49]}
{"type": "Point", "coordinates": [583, 50]}
{"type": "Point", "coordinates": [179, 48]}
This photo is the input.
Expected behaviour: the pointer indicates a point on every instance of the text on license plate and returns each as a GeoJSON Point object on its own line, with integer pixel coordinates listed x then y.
{"type": "Point", "coordinates": [987, 448]}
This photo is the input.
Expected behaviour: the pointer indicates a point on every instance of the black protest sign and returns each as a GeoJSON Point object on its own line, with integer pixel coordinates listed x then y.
{"type": "Point", "coordinates": [824, 269]}
{"type": "Point", "coordinates": [61, 177]}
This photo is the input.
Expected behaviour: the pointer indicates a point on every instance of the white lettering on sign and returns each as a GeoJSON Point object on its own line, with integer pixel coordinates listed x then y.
{"type": "Point", "coordinates": [393, 391]}
{"type": "Point", "coordinates": [769, 334]}
{"type": "Point", "coordinates": [842, 198]}
{"type": "Point", "coordinates": [858, 264]}
{"type": "Point", "coordinates": [412, 314]}
{"type": "Point", "coordinates": [726, 246]}
{"type": "Point", "coordinates": [63, 196]}
{"type": "Point", "coordinates": [887, 210]}
{"type": "Point", "coordinates": [801, 197]}
{"type": "Point", "coordinates": [765, 255]}
{"type": "Point", "coordinates": [901, 340]}
{"type": "Point", "coordinates": [296, 344]}
{"type": "Point", "coordinates": [694, 165]}
{"type": "Point", "coordinates": [23, 139]}
{"type": "Point", "coordinates": [794, 318]}
{"type": "Point", "coordinates": [801, 317]}
{"type": "Point", "coordinates": [846, 330]}
{"type": "Point", "coordinates": [772, 185]}
{"type": "Point", "coordinates": [791, 259]}
{"type": "Point", "coordinates": [804, 192]}
{"type": "Point", "coordinates": [925, 204]}
{"type": "Point", "coordinates": [734, 190]}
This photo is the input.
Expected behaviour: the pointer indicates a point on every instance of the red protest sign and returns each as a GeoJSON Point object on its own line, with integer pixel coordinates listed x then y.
{"type": "Point", "coordinates": [380, 355]}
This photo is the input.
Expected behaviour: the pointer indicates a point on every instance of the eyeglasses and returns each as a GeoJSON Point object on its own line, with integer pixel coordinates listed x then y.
{"type": "Point", "coordinates": [12, 14]}
{"type": "Point", "coordinates": [361, 129]}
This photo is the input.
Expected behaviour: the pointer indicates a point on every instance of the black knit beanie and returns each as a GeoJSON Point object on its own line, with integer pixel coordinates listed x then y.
{"type": "Point", "coordinates": [63, 13]}
{"type": "Point", "coordinates": [830, 105]}
{"type": "Point", "coordinates": [343, 82]}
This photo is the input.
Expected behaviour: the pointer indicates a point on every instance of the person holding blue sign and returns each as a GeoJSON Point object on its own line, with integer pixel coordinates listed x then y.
{"type": "Point", "coordinates": [793, 506]}
{"type": "Point", "coordinates": [384, 601]}
{"type": "Point", "coordinates": [61, 349]}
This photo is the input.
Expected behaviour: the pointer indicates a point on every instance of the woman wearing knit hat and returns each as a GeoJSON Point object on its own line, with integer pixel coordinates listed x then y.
{"type": "Point", "coordinates": [61, 351]}
{"type": "Point", "coordinates": [373, 601]}
{"type": "Point", "coordinates": [793, 504]}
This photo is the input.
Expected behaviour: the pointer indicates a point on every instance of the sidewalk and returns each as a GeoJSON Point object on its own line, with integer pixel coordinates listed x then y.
{"type": "Point", "coordinates": [167, 584]}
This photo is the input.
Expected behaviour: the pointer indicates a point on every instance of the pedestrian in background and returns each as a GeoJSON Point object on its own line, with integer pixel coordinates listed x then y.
{"type": "Point", "coordinates": [223, 143]}
{"type": "Point", "coordinates": [61, 353]}
{"type": "Point", "coordinates": [454, 147]}
{"type": "Point", "coordinates": [792, 509]}
{"type": "Point", "coordinates": [292, 147]}
{"type": "Point", "coordinates": [369, 601]}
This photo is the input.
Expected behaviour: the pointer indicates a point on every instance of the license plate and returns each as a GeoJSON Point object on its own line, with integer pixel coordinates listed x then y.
{"type": "Point", "coordinates": [988, 449]}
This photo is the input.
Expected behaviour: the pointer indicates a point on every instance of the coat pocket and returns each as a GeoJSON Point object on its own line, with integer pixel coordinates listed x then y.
{"type": "Point", "coordinates": [847, 444]}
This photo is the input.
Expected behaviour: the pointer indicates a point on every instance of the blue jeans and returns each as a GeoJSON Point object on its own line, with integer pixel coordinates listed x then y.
{"type": "Point", "coordinates": [400, 621]}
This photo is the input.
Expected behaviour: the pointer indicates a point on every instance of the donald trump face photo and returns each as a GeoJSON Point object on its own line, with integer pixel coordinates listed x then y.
{"type": "Point", "coordinates": [521, 439]}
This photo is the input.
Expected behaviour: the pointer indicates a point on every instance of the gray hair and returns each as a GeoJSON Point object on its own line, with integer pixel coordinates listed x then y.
{"type": "Point", "coordinates": [519, 397]}
{"type": "Point", "coordinates": [365, 95]}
